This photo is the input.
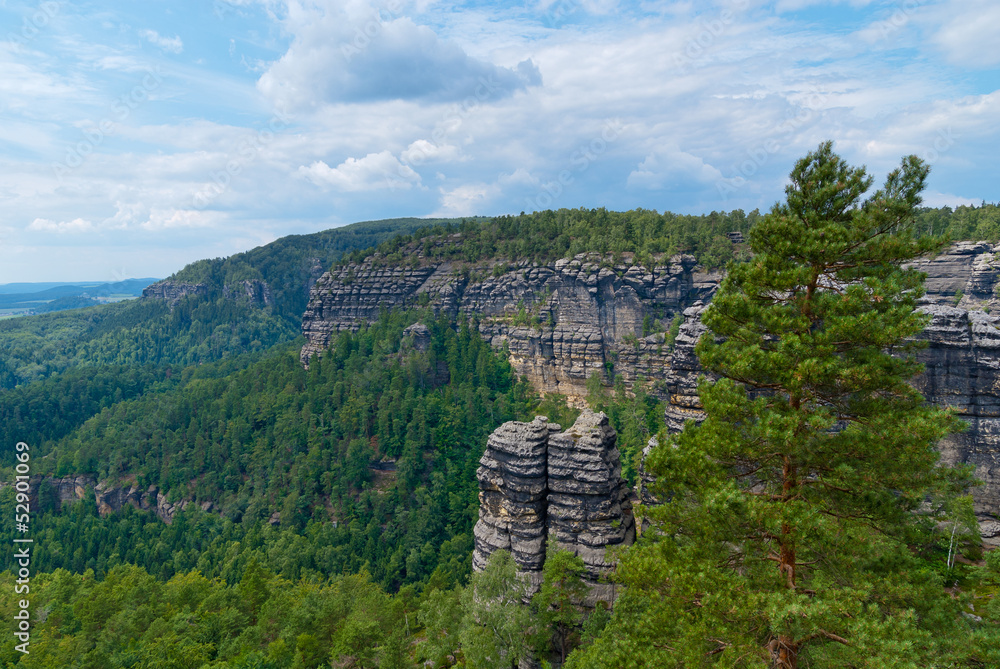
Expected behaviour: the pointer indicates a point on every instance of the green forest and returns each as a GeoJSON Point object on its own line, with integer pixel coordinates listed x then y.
{"type": "Point", "coordinates": [322, 516]}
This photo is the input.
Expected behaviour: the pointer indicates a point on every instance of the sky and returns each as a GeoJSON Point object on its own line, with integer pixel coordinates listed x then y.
{"type": "Point", "coordinates": [138, 137]}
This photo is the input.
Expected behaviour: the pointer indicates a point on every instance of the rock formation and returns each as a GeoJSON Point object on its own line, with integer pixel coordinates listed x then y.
{"type": "Point", "coordinates": [253, 291]}
{"type": "Point", "coordinates": [564, 321]}
{"type": "Point", "coordinates": [173, 291]}
{"type": "Point", "coordinates": [561, 322]}
{"type": "Point", "coordinates": [589, 506]}
{"type": "Point", "coordinates": [513, 485]}
{"type": "Point", "coordinates": [539, 484]}
{"type": "Point", "coordinates": [107, 497]}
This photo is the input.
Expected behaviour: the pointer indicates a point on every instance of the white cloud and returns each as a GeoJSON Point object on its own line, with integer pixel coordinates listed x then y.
{"type": "Point", "coordinates": [937, 200]}
{"type": "Point", "coordinates": [171, 44]}
{"type": "Point", "coordinates": [77, 225]}
{"type": "Point", "coordinates": [373, 172]}
{"type": "Point", "coordinates": [969, 34]}
{"type": "Point", "coordinates": [467, 199]}
{"type": "Point", "coordinates": [164, 219]}
{"type": "Point", "coordinates": [351, 53]}
{"type": "Point", "coordinates": [669, 166]}
{"type": "Point", "coordinates": [424, 151]}
{"type": "Point", "coordinates": [480, 198]}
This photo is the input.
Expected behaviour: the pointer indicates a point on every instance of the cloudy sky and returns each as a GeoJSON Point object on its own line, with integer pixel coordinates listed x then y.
{"type": "Point", "coordinates": [137, 137]}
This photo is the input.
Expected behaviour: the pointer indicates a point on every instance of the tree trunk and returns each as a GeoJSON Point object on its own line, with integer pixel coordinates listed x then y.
{"type": "Point", "coordinates": [787, 652]}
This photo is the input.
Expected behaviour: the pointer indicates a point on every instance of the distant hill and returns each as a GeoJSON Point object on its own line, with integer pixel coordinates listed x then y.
{"type": "Point", "coordinates": [41, 297]}
{"type": "Point", "coordinates": [290, 265]}
{"type": "Point", "coordinates": [222, 319]}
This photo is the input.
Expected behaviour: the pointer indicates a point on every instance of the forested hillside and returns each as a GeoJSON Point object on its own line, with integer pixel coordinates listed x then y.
{"type": "Point", "coordinates": [200, 329]}
{"type": "Point", "coordinates": [328, 510]}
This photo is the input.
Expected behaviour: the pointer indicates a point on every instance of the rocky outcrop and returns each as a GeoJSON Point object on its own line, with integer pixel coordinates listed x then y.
{"type": "Point", "coordinates": [962, 371]}
{"type": "Point", "coordinates": [589, 510]}
{"type": "Point", "coordinates": [513, 484]}
{"type": "Point", "coordinates": [108, 498]}
{"type": "Point", "coordinates": [561, 322]}
{"type": "Point", "coordinates": [173, 291]}
{"type": "Point", "coordinates": [540, 484]}
{"type": "Point", "coordinates": [253, 291]}
{"type": "Point", "coordinates": [419, 336]}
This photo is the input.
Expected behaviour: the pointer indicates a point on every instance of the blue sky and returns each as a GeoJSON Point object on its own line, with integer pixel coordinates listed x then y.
{"type": "Point", "coordinates": [137, 137]}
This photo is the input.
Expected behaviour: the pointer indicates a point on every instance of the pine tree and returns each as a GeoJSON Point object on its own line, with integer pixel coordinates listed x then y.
{"type": "Point", "coordinates": [798, 509]}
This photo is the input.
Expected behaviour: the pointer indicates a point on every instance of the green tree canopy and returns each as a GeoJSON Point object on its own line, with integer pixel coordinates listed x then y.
{"type": "Point", "coordinates": [797, 510]}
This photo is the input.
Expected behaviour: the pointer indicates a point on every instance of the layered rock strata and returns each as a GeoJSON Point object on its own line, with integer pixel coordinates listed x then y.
{"type": "Point", "coordinates": [540, 484]}
{"type": "Point", "coordinates": [561, 322]}
{"type": "Point", "coordinates": [564, 321]}
{"type": "Point", "coordinates": [589, 510]}
{"type": "Point", "coordinates": [513, 484]}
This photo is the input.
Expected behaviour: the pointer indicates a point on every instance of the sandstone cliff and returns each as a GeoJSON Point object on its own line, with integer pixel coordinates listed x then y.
{"type": "Point", "coordinates": [540, 484]}
{"type": "Point", "coordinates": [562, 322]}
{"type": "Point", "coordinates": [253, 291]}
{"type": "Point", "coordinates": [566, 320]}
{"type": "Point", "coordinates": [173, 291]}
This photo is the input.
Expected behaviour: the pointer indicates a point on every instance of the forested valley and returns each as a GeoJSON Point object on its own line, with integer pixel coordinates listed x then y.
{"type": "Point", "coordinates": [323, 516]}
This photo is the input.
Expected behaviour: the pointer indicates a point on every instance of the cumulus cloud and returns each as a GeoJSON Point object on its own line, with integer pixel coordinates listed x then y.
{"type": "Point", "coordinates": [344, 54]}
{"type": "Point", "coordinates": [424, 151]}
{"type": "Point", "coordinates": [478, 198]}
{"type": "Point", "coordinates": [77, 225]}
{"type": "Point", "coordinates": [669, 166]}
{"type": "Point", "coordinates": [164, 219]}
{"type": "Point", "coordinates": [171, 44]}
{"type": "Point", "coordinates": [374, 171]}
{"type": "Point", "coordinates": [937, 199]}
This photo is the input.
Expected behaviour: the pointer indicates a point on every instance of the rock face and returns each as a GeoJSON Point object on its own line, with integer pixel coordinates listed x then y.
{"type": "Point", "coordinates": [173, 291]}
{"type": "Point", "coordinates": [108, 498]}
{"type": "Point", "coordinates": [962, 371]}
{"type": "Point", "coordinates": [513, 485]}
{"type": "Point", "coordinates": [572, 318]}
{"type": "Point", "coordinates": [254, 291]}
{"type": "Point", "coordinates": [589, 506]}
{"type": "Point", "coordinates": [539, 484]}
{"type": "Point", "coordinates": [561, 322]}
